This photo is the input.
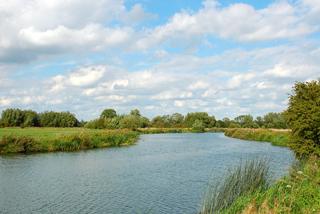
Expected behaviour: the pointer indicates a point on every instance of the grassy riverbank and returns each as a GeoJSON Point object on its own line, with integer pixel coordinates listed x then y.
{"type": "Point", "coordinates": [299, 192]}
{"type": "Point", "coordinates": [275, 137]}
{"type": "Point", "coordinates": [30, 140]}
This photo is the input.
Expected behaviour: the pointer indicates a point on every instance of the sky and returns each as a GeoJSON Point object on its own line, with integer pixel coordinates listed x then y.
{"type": "Point", "coordinates": [223, 57]}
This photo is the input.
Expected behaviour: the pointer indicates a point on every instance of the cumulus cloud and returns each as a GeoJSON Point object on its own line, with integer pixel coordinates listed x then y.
{"type": "Point", "coordinates": [241, 22]}
{"type": "Point", "coordinates": [33, 28]}
{"type": "Point", "coordinates": [133, 67]}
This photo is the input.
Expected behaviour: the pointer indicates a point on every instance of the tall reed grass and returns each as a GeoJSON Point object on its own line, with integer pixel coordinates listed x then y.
{"type": "Point", "coordinates": [247, 178]}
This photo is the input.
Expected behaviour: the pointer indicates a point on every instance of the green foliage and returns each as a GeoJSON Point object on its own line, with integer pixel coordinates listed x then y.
{"type": "Point", "coordinates": [274, 120]}
{"type": "Point", "coordinates": [168, 121]}
{"type": "Point", "coordinates": [108, 114]}
{"type": "Point", "coordinates": [30, 119]}
{"type": "Point", "coordinates": [277, 138]}
{"type": "Point", "coordinates": [50, 140]}
{"type": "Point", "coordinates": [297, 193]}
{"type": "Point", "coordinates": [58, 119]}
{"type": "Point", "coordinates": [245, 121]}
{"type": "Point", "coordinates": [135, 112]}
{"type": "Point", "coordinates": [208, 121]}
{"type": "Point", "coordinates": [198, 126]}
{"type": "Point", "coordinates": [245, 179]}
{"type": "Point", "coordinates": [133, 122]}
{"type": "Point", "coordinates": [18, 117]}
{"type": "Point", "coordinates": [303, 116]}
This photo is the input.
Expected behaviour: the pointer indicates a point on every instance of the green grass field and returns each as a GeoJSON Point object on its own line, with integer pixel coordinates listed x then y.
{"type": "Point", "coordinates": [29, 140]}
{"type": "Point", "coordinates": [45, 132]}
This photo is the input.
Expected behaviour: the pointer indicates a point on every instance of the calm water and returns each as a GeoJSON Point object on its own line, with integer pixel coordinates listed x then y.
{"type": "Point", "coordinates": [165, 173]}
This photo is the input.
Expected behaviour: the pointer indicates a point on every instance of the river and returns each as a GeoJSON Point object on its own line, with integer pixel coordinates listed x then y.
{"type": "Point", "coordinates": [162, 173]}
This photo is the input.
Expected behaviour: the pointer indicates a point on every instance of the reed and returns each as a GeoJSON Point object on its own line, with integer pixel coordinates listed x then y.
{"type": "Point", "coordinates": [247, 178]}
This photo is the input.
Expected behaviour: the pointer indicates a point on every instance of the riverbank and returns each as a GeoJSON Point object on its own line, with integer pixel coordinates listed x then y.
{"type": "Point", "coordinates": [299, 192]}
{"type": "Point", "coordinates": [32, 140]}
{"type": "Point", "coordinates": [276, 137]}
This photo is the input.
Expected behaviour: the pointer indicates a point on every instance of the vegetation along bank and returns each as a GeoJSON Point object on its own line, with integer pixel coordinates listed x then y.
{"type": "Point", "coordinates": [247, 189]}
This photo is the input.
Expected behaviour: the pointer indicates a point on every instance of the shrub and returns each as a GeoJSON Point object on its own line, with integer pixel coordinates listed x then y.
{"type": "Point", "coordinates": [303, 116]}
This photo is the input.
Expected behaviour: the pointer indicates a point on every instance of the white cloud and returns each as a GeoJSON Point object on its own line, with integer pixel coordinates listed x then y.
{"type": "Point", "coordinates": [5, 101]}
{"type": "Point", "coordinates": [33, 28]}
{"type": "Point", "coordinates": [86, 76]}
{"type": "Point", "coordinates": [240, 22]}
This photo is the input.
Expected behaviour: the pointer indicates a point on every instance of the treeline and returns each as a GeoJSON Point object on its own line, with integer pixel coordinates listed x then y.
{"type": "Point", "coordinates": [28, 118]}
{"type": "Point", "coordinates": [109, 119]}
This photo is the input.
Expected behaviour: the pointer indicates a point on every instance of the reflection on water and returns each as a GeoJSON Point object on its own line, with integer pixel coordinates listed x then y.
{"type": "Point", "coordinates": [165, 173]}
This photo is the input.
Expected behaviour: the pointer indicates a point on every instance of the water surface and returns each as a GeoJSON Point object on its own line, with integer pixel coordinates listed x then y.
{"type": "Point", "coordinates": [163, 173]}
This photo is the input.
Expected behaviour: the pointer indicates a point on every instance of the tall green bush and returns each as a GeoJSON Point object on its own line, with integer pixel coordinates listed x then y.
{"type": "Point", "coordinates": [303, 116]}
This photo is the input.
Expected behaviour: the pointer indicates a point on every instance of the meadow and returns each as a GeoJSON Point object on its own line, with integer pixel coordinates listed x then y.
{"type": "Point", "coordinates": [30, 140]}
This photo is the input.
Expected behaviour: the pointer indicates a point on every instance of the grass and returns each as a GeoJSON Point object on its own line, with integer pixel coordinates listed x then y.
{"type": "Point", "coordinates": [245, 179]}
{"type": "Point", "coordinates": [297, 193]}
{"type": "Point", "coordinates": [163, 130]}
{"type": "Point", "coordinates": [30, 140]}
{"type": "Point", "coordinates": [275, 137]}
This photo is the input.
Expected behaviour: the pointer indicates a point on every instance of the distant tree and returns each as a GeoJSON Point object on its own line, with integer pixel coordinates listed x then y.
{"type": "Point", "coordinates": [30, 118]}
{"type": "Point", "coordinates": [220, 124]}
{"type": "Point", "coordinates": [135, 112]}
{"type": "Point", "coordinates": [303, 117]}
{"type": "Point", "coordinates": [274, 120]}
{"type": "Point", "coordinates": [58, 119]}
{"type": "Point", "coordinates": [130, 122]}
{"type": "Point", "coordinates": [12, 117]}
{"type": "Point", "coordinates": [245, 121]}
{"type": "Point", "coordinates": [226, 122]}
{"type": "Point", "coordinates": [108, 113]}
{"type": "Point", "coordinates": [176, 120]}
{"type": "Point", "coordinates": [160, 121]}
{"type": "Point", "coordinates": [207, 121]}
{"type": "Point", "coordinates": [259, 121]}
{"type": "Point", "coordinates": [95, 124]}
{"type": "Point", "coordinates": [198, 126]}
{"type": "Point", "coordinates": [113, 123]}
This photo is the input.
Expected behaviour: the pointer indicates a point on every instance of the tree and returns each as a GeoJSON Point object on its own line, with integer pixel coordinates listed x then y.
{"type": "Point", "coordinates": [30, 118]}
{"type": "Point", "coordinates": [58, 119]}
{"type": "Point", "coordinates": [135, 112]}
{"type": "Point", "coordinates": [274, 120]}
{"type": "Point", "coordinates": [130, 122]}
{"type": "Point", "coordinates": [245, 121]}
{"type": "Point", "coordinates": [259, 121]}
{"type": "Point", "coordinates": [176, 120]}
{"type": "Point", "coordinates": [108, 113]}
{"type": "Point", "coordinates": [12, 117]}
{"type": "Point", "coordinates": [303, 117]}
{"type": "Point", "coordinates": [208, 121]}
{"type": "Point", "coordinates": [160, 121]}
{"type": "Point", "coordinates": [198, 126]}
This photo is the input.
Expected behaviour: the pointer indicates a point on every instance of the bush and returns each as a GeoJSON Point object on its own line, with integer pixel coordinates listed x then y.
{"type": "Point", "coordinates": [198, 126]}
{"type": "Point", "coordinates": [303, 116]}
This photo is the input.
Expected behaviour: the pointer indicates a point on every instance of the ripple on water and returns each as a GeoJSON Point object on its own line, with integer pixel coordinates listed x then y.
{"type": "Point", "coordinates": [163, 173]}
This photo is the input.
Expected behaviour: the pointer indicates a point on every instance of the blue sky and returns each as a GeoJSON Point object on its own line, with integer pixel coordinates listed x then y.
{"type": "Point", "coordinates": [224, 57]}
